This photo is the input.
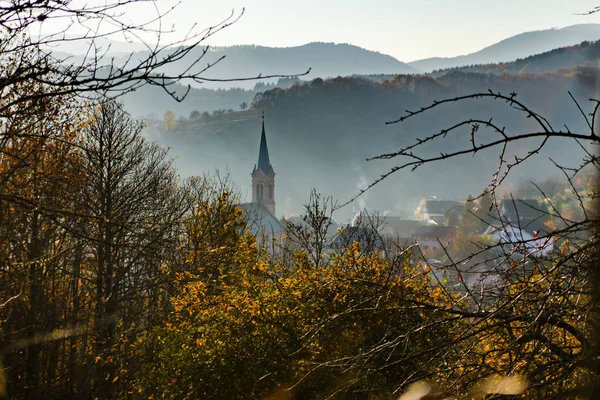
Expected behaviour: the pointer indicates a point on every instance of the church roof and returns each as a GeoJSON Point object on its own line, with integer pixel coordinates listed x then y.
{"type": "Point", "coordinates": [264, 164]}
{"type": "Point", "coordinates": [260, 220]}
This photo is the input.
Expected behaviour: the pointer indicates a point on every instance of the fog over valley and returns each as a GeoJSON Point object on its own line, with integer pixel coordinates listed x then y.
{"type": "Point", "coordinates": [320, 132]}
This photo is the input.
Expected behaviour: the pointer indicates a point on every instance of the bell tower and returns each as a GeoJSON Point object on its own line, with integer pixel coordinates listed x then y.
{"type": "Point", "coordinates": [263, 175]}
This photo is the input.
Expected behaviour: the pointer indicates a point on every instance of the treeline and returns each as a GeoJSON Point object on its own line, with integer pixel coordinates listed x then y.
{"type": "Point", "coordinates": [151, 102]}
{"type": "Point", "coordinates": [448, 84]}
{"type": "Point", "coordinates": [91, 213]}
{"type": "Point", "coordinates": [584, 54]}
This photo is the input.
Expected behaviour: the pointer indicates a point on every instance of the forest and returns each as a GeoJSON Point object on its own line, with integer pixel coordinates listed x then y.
{"type": "Point", "coordinates": [121, 278]}
{"type": "Point", "coordinates": [123, 281]}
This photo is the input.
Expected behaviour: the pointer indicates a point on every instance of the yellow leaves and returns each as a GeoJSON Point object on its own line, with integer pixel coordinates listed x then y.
{"type": "Point", "coordinates": [248, 320]}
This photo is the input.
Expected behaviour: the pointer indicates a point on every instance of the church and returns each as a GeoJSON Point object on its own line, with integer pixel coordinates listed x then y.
{"type": "Point", "coordinates": [260, 213]}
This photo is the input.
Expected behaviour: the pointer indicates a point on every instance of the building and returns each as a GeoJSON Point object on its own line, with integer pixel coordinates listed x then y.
{"type": "Point", "coordinates": [260, 213]}
{"type": "Point", "coordinates": [521, 211]}
{"type": "Point", "coordinates": [435, 210]}
{"type": "Point", "coordinates": [526, 237]}
{"type": "Point", "coordinates": [260, 222]}
{"type": "Point", "coordinates": [263, 176]}
{"type": "Point", "coordinates": [400, 231]}
{"type": "Point", "coordinates": [433, 239]}
{"type": "Point", "coordinates": [519, 224]}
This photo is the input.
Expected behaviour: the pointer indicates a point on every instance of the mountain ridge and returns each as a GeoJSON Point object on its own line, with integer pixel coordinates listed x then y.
{"type": "Point", "coordinates": [328, 59]}
{"type": "Point", "coordinates": [322, 59]}
{"type": "Point", "coordinates": [139, 103]}
{"type": "Point", "coordinates": [515, 47]}
{"type": "Point", "coordinates": [325, 60]}
{"type": "Point", "coordinates": [582, 54]}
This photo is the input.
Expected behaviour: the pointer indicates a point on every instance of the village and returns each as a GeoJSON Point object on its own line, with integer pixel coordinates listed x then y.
{"type": "Point", "coordinates": [441, 233]}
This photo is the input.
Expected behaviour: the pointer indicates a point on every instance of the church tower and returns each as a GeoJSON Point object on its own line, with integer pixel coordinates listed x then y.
{"type": "Point", "coordinates": [263, 175]}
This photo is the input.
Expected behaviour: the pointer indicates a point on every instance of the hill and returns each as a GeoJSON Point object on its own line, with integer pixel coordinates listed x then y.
{"type": "Point", "coordinates": [152, 102]}
{"type": "Point", "coordinates": [323, 59]}
{"type": "Point", "coordinates": [321, 132]}
{"type": "Point", "coordinates": [519, 46]}
{"type": "Point", "coordinates": [585, 53]}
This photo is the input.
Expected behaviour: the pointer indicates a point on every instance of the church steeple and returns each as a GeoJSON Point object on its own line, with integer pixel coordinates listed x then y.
{"type": "Point", "coordinates": [264, 164]}
{"type": "Point", "coordinates": [263, 175]}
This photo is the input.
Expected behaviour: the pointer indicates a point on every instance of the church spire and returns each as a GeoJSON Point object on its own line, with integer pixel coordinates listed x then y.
{"type": "Point", "coordinates": [263, 175]}
{"type": "Point", "coordinates": [264, 164]}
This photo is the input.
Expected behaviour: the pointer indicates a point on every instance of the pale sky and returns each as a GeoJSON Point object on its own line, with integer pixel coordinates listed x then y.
{"type": "Point", "coordinates": [405, 29]}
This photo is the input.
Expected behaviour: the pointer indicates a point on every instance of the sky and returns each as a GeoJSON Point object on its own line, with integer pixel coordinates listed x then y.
{"type": "Point", "coordinates": [406, 29]}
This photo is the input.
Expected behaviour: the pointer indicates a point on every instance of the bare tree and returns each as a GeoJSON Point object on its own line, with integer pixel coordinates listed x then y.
{"type": "Point", "coordinates": [98, 71]}
{"type": "Point", "coordinates": [522, 304]}
{"type": "Point", "coordinates": [132, 206]}
{"type": "Point", "coordinates": [312, 232]}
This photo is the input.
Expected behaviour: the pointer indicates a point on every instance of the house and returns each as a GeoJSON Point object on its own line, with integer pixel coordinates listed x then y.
{"type": "Point", "coordinates": [520, 225]}
{"type": "Point", "coordinates": [434, 238]}
{"type": "Point", "coordinates": [531, 238]}
{"type": "Point", "coordinates": [435, 210]}
{"type": "Point", "coordinates": [400, 231]}
{"type": "Point", "coordinates": [520, 211]}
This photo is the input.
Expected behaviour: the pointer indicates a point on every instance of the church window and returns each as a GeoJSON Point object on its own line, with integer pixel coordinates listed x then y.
{"type": "Point", "coordinates": [259, 192]}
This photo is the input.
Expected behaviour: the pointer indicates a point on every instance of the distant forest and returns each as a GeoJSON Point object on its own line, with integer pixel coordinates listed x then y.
{"type": "Point", "coordinates": [585, 53]}
{"type": "Point", "coordinates": [152, 102]}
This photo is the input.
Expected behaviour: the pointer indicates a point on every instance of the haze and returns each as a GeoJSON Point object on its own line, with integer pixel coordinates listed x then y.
{"type": "Point", "coordinates": [406, 30]}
